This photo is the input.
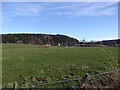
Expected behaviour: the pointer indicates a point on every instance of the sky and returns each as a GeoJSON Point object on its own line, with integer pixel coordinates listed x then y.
{"type": "Point", "coordinates": [89, 20]}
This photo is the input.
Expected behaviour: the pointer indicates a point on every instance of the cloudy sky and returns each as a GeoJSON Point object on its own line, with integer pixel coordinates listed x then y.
{"type": "Point", "coordinates": [92, 20]}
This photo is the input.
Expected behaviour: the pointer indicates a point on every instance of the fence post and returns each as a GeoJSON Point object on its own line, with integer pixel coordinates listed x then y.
{"type": "Point", "coordinates": [15, 86]}
{"type": "Point", "coordinates": [84, 80]}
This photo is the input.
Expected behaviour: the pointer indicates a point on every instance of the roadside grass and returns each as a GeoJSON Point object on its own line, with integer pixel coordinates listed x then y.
{"type": "Point", "coordinates": [34, 63]}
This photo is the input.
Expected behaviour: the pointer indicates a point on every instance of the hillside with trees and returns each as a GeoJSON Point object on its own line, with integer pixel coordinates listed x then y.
{"type": "Point", "coordinates": [40, 39]}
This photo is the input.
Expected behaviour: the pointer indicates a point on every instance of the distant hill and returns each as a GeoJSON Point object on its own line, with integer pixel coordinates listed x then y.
{"type": "Point", "coordinates": [40, 39]}
{"type": "Point", "coordinates": [115, 42]}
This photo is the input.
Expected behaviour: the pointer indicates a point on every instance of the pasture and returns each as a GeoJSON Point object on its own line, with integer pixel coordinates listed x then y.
{"type": "Point", "coordinates": [54, 63]}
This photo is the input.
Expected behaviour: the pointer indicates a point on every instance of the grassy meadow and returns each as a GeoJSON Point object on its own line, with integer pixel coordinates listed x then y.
{"type": "Point", "coordinates": [54, 63]}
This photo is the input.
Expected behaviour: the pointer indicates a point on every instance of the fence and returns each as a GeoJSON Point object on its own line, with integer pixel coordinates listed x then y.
{"type": "Point", "coordinates": [98, 80]}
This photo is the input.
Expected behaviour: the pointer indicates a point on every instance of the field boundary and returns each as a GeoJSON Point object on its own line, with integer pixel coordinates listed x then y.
{"type": "Point", "coordinates": [83, 80]}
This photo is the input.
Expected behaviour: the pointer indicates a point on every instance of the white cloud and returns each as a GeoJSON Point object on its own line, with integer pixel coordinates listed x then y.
{"type": "Point", "coordinates": [24, 9]}
{"type": "Point", "coordinates": [100, 39]}
{"type": "Point", "coordinates": [69, 9]}
{"type": "Point", "coordinates": [12, 10]}
{"type": "Point", "coordinates": [90, 9]}
{"type": "Point", "coordinates": [81, 9]}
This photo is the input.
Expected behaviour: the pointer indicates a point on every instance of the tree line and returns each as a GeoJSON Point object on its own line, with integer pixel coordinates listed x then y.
{"type": "Point", "coordinates": [38, 39]}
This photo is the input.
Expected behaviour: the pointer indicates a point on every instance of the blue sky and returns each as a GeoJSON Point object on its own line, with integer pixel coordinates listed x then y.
{"type": "Point", "coordinates": [92, 20]}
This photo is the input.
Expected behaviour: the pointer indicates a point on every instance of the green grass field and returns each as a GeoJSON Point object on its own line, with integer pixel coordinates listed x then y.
{"type": "Point", "coordinates": [54, 63]}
